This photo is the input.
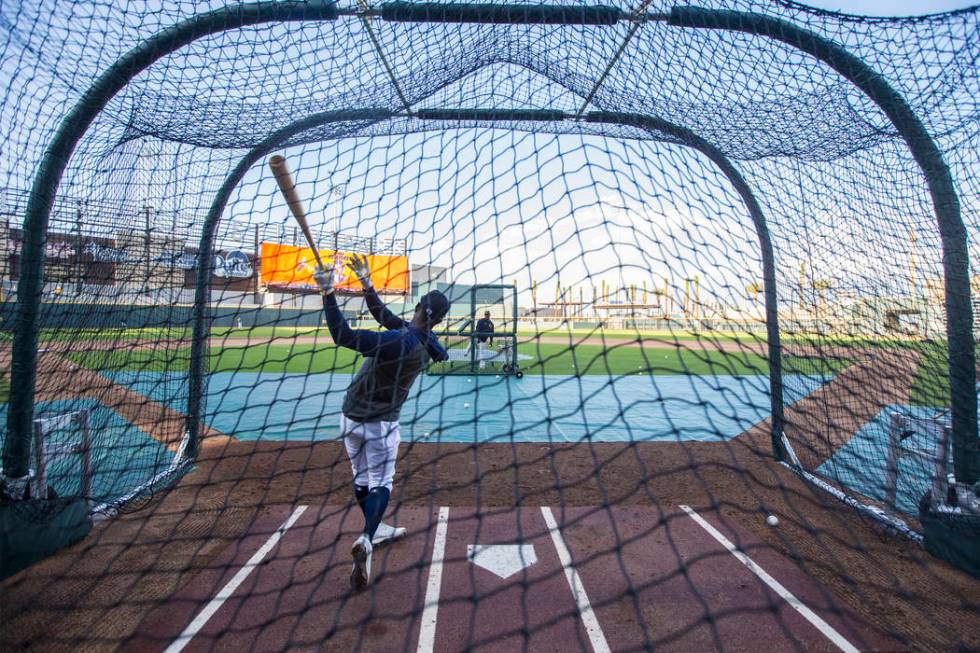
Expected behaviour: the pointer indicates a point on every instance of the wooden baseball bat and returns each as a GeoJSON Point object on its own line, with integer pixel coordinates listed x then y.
{"type": "Point", "coordinates": [285, 180]}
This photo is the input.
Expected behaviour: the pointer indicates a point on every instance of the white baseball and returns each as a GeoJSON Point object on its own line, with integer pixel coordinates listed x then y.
{"type": "Point", "coordinates": [772, 520]}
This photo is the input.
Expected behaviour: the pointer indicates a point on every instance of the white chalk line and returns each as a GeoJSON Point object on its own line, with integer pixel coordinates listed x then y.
{"type": "Point", "coordinates": [215, 604]}
{"type": "Point", "coordinates": [589, 620]}
{"type": "Point", "coordinates": [430, 613]}
{"type": "Point", "coordinates": [826, 629]}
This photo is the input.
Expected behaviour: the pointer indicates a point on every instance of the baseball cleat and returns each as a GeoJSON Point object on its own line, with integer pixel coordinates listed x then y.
{"type": "Point", "coordinates": [360, 573]}
{"type": "Point", "coordinates": [386, 533]}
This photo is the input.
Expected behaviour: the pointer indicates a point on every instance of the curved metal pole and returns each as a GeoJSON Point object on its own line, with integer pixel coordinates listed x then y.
{"type": "Point", "coordinates": [195, 393]}
{"type": "Point", "coordinates": [650, 123]}
{"type": "Point", "coordinates": [16, 450]}
{"type": "Point", "coordinates": [774, 348]}
{"type": "Point", "coordinates": [956, 265]}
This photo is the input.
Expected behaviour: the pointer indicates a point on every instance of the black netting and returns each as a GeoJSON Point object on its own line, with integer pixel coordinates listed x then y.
{"type": "Point", "coordinates": [717, 289]}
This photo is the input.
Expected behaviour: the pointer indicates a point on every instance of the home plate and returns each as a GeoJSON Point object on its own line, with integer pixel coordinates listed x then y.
{"type": "Point", "coordinates": [504, 560]}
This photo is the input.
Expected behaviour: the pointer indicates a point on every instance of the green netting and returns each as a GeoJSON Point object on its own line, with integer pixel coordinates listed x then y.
{"type": "Point", "coordinates": [719, 245]}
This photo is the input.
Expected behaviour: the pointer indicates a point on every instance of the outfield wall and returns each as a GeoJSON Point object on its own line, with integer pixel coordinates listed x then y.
{"type": "Point", "coordinates": [73, 315]}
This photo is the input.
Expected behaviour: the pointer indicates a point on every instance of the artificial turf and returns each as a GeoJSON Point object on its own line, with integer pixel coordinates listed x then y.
{"type": "Point", "coordinates": [931, 386]}
{"type": "Point", "coordinates": [553, 359]}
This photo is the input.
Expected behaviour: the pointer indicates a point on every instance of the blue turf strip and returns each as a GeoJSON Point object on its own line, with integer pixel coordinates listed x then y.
{"type": "Point", "coordinates": [490, 409]}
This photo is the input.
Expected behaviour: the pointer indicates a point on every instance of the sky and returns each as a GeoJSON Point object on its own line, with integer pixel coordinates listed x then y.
{"type": "Point", "coordinates": [496, 223]}
{"type": "Point", "coordinates": [891, 8]}
{"type": "Point", "coordinates": [496, 206]}
{"type": "Point", "coordinates": [504, 216]}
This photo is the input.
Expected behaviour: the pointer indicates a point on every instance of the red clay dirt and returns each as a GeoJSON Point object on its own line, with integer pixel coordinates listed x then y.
{"type": "Point", "coordinates": [654, 579]}
{"type": "Point", "coordinates": [299, 598]}
{"type": "Point", "coordinates": [94, 595]}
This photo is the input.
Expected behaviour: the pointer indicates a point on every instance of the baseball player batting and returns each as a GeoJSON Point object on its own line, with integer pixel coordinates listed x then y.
{"type": "Point", "coordinates": [369, 421]}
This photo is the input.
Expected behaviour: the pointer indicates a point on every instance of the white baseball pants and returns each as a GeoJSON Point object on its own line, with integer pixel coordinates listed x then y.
{"type": "Point", "coordinates": [372, 448]}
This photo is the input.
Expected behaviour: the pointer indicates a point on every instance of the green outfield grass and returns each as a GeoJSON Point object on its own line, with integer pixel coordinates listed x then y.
{"type": "Point", "coordinates": [656, 334]}
{"type": "Point", "coordinates": [299, 359]}
{"type": "Point", "coordinates": [563, 360]}
{"type": "Point", "coordinates": [4, 389]}
{"type": "Point", "coordinates": [265, 333]}
{"type": "Point", "coordinates": [595, 359]}
{"type": "Point", "coordinates": [931, 387]}
{"type": "Point", "coordinates": [554, 359]}
{"type": "Point", "coordinates": [746, 337]}
{"type": "Point", "coordinates": [63, 335]}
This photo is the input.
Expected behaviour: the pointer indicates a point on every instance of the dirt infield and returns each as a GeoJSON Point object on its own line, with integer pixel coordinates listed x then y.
{"type": "Point", "coordinates": [94, 594]}
{"type": "Point", "coordinates": [626, 561]}
{"type": "Point", "coordinates": [826, 419]}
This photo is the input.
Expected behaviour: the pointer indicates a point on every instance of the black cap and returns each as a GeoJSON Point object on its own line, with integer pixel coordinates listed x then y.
{"type": "Point", "coordinates": [436, 305]}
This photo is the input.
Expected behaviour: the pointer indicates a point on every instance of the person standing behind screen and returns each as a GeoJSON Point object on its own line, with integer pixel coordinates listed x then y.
{"type": "Point", "coordinates": [484, 333]}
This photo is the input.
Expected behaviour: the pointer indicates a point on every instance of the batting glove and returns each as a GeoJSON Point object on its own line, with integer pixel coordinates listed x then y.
{"type": "Point", "coordinates": [324, 280]}
{"type": "Point", "coordinates": [362, 270]}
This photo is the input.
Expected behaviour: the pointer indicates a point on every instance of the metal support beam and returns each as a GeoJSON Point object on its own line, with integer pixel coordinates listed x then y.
{"type": "Point", "coordinates": [649, 123]}
{"type": "Point", "coordinates": [499, 14]}
{"type": "Point", "coordinates": [956, 264]}
{"type": "Point", "coordinates": [16, 450]}
{"type": "Point", "coordinates": [634, 28]}
{"type": "Point", "coordinates": [724, 164]}
{"type": "Point", "coordinates": [202, 288]}
{"type": "Point", "coordinates": [366, 21]}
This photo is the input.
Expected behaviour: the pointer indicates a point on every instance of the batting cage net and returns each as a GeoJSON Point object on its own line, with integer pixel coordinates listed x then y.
{"type": "Point", "coordinates": [725, 397]}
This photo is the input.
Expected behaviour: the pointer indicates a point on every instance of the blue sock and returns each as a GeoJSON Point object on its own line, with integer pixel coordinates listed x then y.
{"type": "Point", "coordinates": [374, 509]}
{"type": "Point", "coordinates": [360, 494]}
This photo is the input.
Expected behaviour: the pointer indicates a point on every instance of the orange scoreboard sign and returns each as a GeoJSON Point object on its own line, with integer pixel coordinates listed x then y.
{"type": "Point", "coordinates": [292, 267]}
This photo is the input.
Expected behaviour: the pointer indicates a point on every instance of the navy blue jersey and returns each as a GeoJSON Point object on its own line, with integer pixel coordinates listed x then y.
{"type": "Point", "coordinates": [484, 330]}
{"type": "Point", "coordinates": [392, 359]}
